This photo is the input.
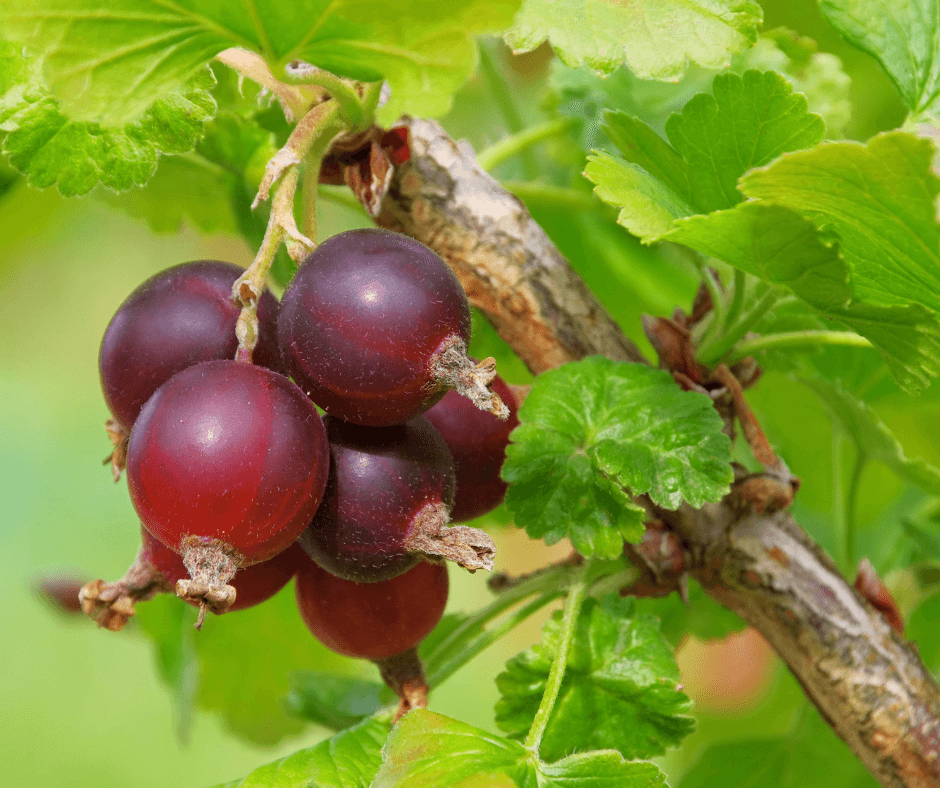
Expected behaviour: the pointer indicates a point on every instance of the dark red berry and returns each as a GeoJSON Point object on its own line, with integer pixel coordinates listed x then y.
{"type": "Point", "coordinates": [477, 441]}
{"type": "Point", "coordinates": [179, 317]}
{"type": "Point", "coordinates": [362, 322]}
{"type": "Point", "coordinates": [385, 482]}
{"type": "Point", "coordinates": [226, 465]}
{"type": "Point", "coordinates": [372, 620]}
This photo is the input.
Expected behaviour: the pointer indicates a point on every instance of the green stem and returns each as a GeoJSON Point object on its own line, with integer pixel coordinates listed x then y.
{"type": "Point", "coordinates": [737, 300]}
{"type": "Point", "coordinates": [851, 512]}
{"type": "Point", "coordinates": [717, 319]}
{"type": "Point", "coordinates": [345, 93]}
{"type": "Point", "coordinates": [542, 582]}
{"type": "Point", "coordinates": [556, 674]}
{"type": "Point", "coordinates": [506, 102]}
{"type": "Point", "coordinates": [508, 147]}
{"type": "Point", "coordinates": [785, 339]}
{"type": "Point", "coordinates": [438, 673]}
{"type": "Point", "coordinates": [558, 197]}
{"type": "Point", "coordinates": [713, 351]}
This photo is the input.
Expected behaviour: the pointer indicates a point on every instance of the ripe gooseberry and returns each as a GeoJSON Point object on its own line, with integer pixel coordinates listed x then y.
{"type": "Point", "coordinates": [387, 504]}
{"type": "Point", "coordinates": [179, 317]}
{"type": "Point", "coordinates": [374, 327]}
{"type": "Point", "coordinates": [226, 465]}
{"type": "Point", "coordinates": [372, 620]}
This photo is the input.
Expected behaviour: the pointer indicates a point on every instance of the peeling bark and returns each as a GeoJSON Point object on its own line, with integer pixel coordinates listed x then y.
{"type": "Point", "coordinates": [868, 683]}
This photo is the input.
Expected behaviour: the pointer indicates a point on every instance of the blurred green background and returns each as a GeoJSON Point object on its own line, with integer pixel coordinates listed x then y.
{"type": "Point", "coordinates": [84, 707]}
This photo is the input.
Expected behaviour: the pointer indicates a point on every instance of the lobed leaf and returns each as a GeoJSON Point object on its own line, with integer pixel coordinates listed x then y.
{"type": "Point", "coordinates": [349, 759]}
{"type": "Point", "coordinates": [655, 39]}
{"type": "Point", "coordinates": [902, 35]}
{"type": "Point", "coordinates": [750, 120]}
{"type": "Point", "coordinates": [596, 432]}
{"type": "Point", "coordinates": [50, 150]}
{"type": "Point", "coordinates": [435, 751]}
{"type": "Point", "coordinates": [620, 690]}
{"type": "Point", "coordinates": [110, 62]}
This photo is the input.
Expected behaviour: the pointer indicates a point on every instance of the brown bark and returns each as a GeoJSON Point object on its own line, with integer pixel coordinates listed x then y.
{"type": "Point", "coordinates": [868, 683]}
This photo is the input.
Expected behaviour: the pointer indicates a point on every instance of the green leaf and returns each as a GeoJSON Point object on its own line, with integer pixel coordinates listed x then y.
{"type": "Point", "coordinates": [879, 199]}
{"type": "Point", "coordinates": [648, 207]}
{"type": "Point", "coordinates": [111, 63]}
{"type": "Point", "coordinates": [330, 700]}
{"type": "Point", "coordinates": [872, 437]}
{"type": "Point", "coordinates": [774, 244]}
{"type": "Point", "coordinates": [750, 120]}
{"type": "Point", "coordinates": [907, 337]}
{"type": "Point", "coordinates": [655, 39]}
{"type": "Point", "coordinates": [431, 750]}
{"type": "Point", "coordinates": [270, 641]}
{"type": "Point", "coordinates": [49, 149]}
{"type": "Point", "coordinates": [594, 433]}
{"type": "Point", "coordinates": [902, 36]}
{"type": "Point", "coordinates": [620, 690]}
{"type": "Point", "coordinates": [435, 751]}
{"type": "Point", "coordinates": [348, 760]}
{"type": "Point", "coordinates": [809, 755]}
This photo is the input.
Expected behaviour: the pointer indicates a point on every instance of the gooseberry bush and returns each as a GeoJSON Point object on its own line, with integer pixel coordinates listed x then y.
{"type": "Point", "coordinates": [568, 331]}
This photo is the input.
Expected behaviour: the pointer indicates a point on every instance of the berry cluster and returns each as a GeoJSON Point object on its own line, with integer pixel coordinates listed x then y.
{"type": "Point", "coordinates": [232, 470]}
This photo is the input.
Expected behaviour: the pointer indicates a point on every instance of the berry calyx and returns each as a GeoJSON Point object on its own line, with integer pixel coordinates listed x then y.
{"type": "Point", "coordinates": [374, 327]}
{"type": "Point", "coordinates": [387, 503]}
{"type": "Point", "coordinates": [477, 443]}
{"type": "Point", "coordinates": [157, 569]}
{"type": "Point", "coordinates": [226, 465]}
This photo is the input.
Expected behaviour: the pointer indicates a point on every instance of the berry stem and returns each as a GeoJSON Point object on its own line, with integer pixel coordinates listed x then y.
{"type": "Point", "coordinates": [514, 144]}
{"type": "Point", "coordinates": [346, 92]}
{"type": "Point", "coordinates": [254, 67]}
{"type": "Point", "coordinates": [311, 137]}
{"type": "Point", "coordinates": [112, 604]}
{"type": "Point", "coordinates": [569, 622]}
{"type": "Point", "coordinates": [714, 348]}
{"type": "Point", "coordinates": [404, 675]}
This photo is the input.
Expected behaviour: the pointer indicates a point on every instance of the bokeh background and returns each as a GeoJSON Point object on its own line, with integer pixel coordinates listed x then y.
{"type": "Point", "coordinates": [83, 707]}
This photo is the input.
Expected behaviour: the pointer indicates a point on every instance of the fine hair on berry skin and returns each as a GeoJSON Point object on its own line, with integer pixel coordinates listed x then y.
{"type": "Point", "coordinates": [226, 465]}
{"type": "Point", "coordinates": [372, 620]}
{"type": "Point", "coordinates": [387, 504]}
{"type": "Point", "coordinates": [374, 327]}
{"type": "Point", "coordinates": [179, 317]}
